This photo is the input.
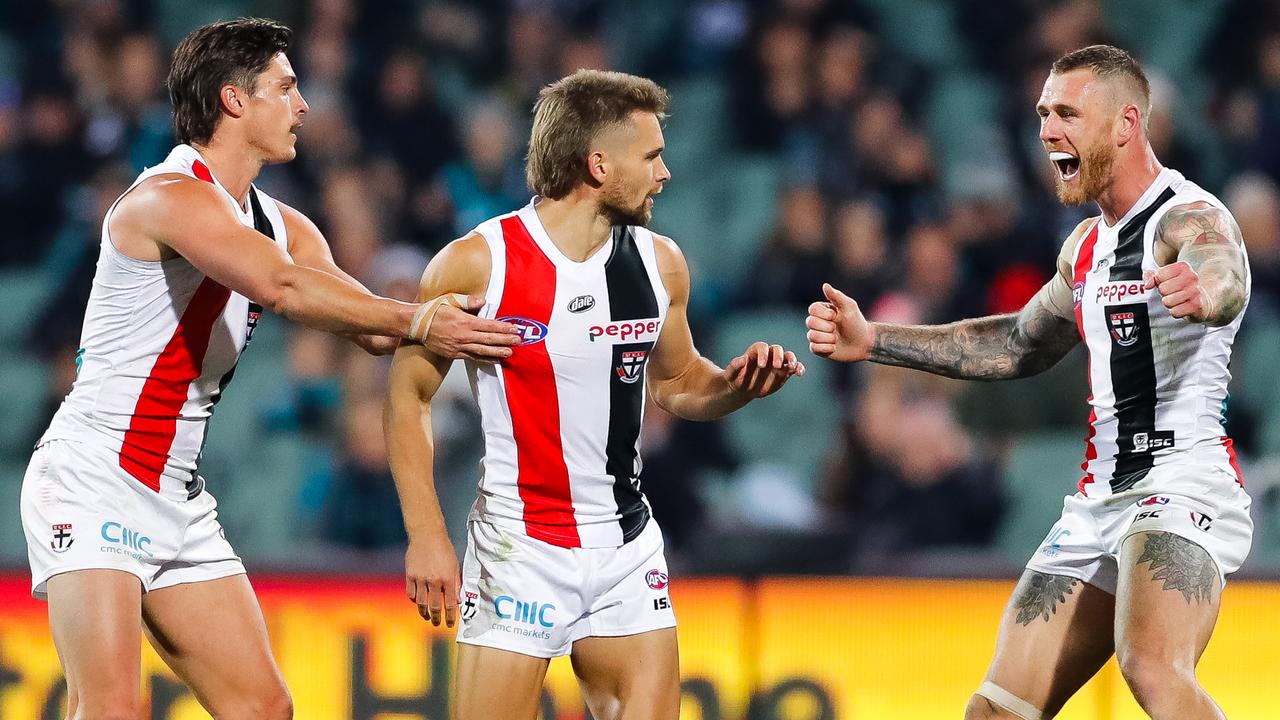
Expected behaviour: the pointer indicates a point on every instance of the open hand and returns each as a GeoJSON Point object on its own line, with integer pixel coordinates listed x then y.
{"type": "Point", "coordinates": [762, 369]}
{"type": "Point", "coordinates": [455, 332]}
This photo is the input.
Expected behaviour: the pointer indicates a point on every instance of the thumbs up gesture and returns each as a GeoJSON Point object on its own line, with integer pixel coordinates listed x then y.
{"type": "Point", "coordinates": [837, 328]}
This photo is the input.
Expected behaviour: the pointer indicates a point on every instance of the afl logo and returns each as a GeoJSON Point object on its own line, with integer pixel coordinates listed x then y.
{"type": "Point", "coordinates": [581, 304]}
{"type": "Point", "coordinates": [656, 579]}
{"type": "Point", "coordinates": [531, 331]}
{"type": "Point", "coordinates": [1077, 293]}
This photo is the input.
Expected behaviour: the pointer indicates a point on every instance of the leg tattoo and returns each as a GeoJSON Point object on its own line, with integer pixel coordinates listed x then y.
{"type": "Point", "coordinates": [1182, 565]}
{"type": "Point", "coordinates": [1041, 594]}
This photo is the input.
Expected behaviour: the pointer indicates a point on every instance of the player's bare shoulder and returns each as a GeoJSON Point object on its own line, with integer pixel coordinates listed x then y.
{"type": "Point", "coordinates": [148, 216]}
{"type": "Point", "coordinates": [1195, 223]}
{"type": "Point", "coordinates": [672, 266]}
{"type": "Point", "coordinates": [462, 266]}
{"type": "Point", "coordinates": [1067, 255]}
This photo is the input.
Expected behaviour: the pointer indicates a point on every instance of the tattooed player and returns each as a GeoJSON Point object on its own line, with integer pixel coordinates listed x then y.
{"type": "Point", "coordinates": [1156, 287]}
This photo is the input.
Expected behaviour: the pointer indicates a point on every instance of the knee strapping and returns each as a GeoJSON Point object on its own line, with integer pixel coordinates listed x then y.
{"type": "Point", "coordinates": [1009, 701]}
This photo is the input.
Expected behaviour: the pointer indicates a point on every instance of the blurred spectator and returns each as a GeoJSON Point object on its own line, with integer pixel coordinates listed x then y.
{"type": "Point", "coordinates": [676, 455]}
{"type": "Point", "coordinates": [796, 259]}
{"type": "Point", "coordinates": [907, 490]}
{"type": "Point", "coordinates": [362, 509]}
{"type": "Point", "coordinates": [932, 288]}
{"type": "Point", "coordinates": [1254, 200]}
{"type": "Point", "coordinates": [489, 181]}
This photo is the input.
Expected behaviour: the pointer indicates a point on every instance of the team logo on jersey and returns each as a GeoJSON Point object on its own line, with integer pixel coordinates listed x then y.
{"type": "Point", "coordinates": [632, 366]}
{"type": "Point", "coordinates": [1124, 327]}
{"type": "Point", "coordinates": [1152, 441]}
{"type": "Point", "coordinates": [531, 331]}
{"type": "Point", "coordinates": [469, 607]}
{"type": "Point", "coordinates": [1202, 521]}
{"type": "Point", "coordinates": [581, 304]}
{"type": "Point", "coordinates": [656, 579]}
{"type": "Point", "coordinates": [62, 539]}
{"type": "Point", "coordinates": [255, 314]}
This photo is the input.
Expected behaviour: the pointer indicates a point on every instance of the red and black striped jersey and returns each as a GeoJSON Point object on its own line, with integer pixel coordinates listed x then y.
{"type": "Point", "coordinates": [159, 344]}
{"type": "Point", "coordinates": [1158, 384]}
{"type": "Point", "coordinates": [562, 415]}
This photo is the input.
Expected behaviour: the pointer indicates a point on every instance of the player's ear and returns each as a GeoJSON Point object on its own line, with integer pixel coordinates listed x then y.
{"type": "Point", "coordinates": [1130, 122]}
{"type": "Point", "coordinates": [596, 166]}
{"type": "Point", "coordinates": [231, 99]}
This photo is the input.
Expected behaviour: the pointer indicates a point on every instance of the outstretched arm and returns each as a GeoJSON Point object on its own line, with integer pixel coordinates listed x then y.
{"type": "Point", "coordinates": [450, 329]}
{"type": "Point", "coordinates": [1202, 273]}
{"type": "Point", "coordinates": [687, 385]}
{"type": "Point", "coordinates": [996, 347]}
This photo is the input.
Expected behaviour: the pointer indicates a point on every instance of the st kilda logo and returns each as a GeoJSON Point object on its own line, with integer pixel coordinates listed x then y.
{"type": "Point", "coordinates": [62, 539]}
{"type": "Point", "coordinates": [632, 366]}
{"type": "Point", "coordinates": [1124, 327]}
{"type": "Point", "coordinates": [255, 314]}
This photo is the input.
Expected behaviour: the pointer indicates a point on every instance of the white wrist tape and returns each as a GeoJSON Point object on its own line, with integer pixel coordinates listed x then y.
{"type": "Point", "coordinates": [426, 314]}
{"type": "Point", "coordinates": [1009, 701]}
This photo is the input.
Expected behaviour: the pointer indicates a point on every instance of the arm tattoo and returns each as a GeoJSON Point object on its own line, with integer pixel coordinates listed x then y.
{"type": "Point", "coordinates": [1040, 596]}
{"type": "Point", "coordinates": [1208, 239]}
{"type": "Point", "coordinates": [998, 347]}
{"type": "Point", "coordinates": [1181, 564]}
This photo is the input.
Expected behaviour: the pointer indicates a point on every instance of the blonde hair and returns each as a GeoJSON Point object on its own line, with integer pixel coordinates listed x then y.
{"type": "Point", "coordinates": [568, 116]}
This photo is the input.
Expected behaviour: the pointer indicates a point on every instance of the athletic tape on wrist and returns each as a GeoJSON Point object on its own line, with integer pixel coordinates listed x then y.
{"type": "Point", "coordinates": [1009, 701]}
{"type": "Point", "coordinates": [426, 314]}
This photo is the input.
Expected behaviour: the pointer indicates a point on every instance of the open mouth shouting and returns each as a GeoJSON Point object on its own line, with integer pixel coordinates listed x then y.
{"type": "Point", "coordinates": [1068, 165]}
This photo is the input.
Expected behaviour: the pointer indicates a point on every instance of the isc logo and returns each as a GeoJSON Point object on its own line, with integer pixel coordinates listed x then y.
{"type": "Point", "coordinates": [531, 331]}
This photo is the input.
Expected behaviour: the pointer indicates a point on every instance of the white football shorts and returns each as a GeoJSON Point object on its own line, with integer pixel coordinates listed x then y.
{"type": "Point", "coordinates": [81, 511]}
{"type": "Point", "coordinates": [531, 597]}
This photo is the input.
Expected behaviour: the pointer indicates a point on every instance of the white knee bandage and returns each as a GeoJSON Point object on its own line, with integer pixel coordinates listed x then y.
{"type": "Point", "coordinates": [1009, 701]}
{"type": "Point", "coordinates": [422, 319]}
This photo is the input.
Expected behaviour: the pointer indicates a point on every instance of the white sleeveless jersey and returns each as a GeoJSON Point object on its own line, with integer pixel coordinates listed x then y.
{"type": "Point", "coordinates": [562, 415]}
{"type": "Point", "coordinates": [160, 343]}
{"type": "Point", "coordinates": [1158, 383]}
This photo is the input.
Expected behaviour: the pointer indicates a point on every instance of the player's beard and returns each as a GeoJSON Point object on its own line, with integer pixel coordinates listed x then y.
{"type": "Point", "coordinates": [1095, 176]}
{"type": "Point", "coordinates": [615, 208]}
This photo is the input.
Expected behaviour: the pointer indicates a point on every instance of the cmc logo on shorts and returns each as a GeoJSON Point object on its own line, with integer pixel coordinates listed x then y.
{"type": "Point", "coordinates": [626, 331]}
{"type": "Point", "coordinates": [529, 613]}
{"type": "Point", "coordinates": [119, 535]}
{"type": "Point", "coordinates": [656, 579]}
{"type": "Point", "coordinates": [531, 331]}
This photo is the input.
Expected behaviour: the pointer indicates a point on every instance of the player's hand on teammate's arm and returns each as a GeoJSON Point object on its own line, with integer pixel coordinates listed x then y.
{"type": "Point", "coordinates": [1180, 291]}
{"type": "Point", "coordinates": [448, 327]}
{"type": "Point", "coordinates": [837, 328]}
{"type": "Point", "coordinates": [432, 578]}
{"type": "Point", "coordinates": [762, 369]}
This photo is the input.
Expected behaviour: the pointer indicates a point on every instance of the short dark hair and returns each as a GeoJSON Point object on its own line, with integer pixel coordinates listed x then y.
{"type": "Point", "coordinates": [232, 52]}
{"type": "Point", "coordinates": [571, 112]}
{"type": "Point", "coordinates": [1108, 61]}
